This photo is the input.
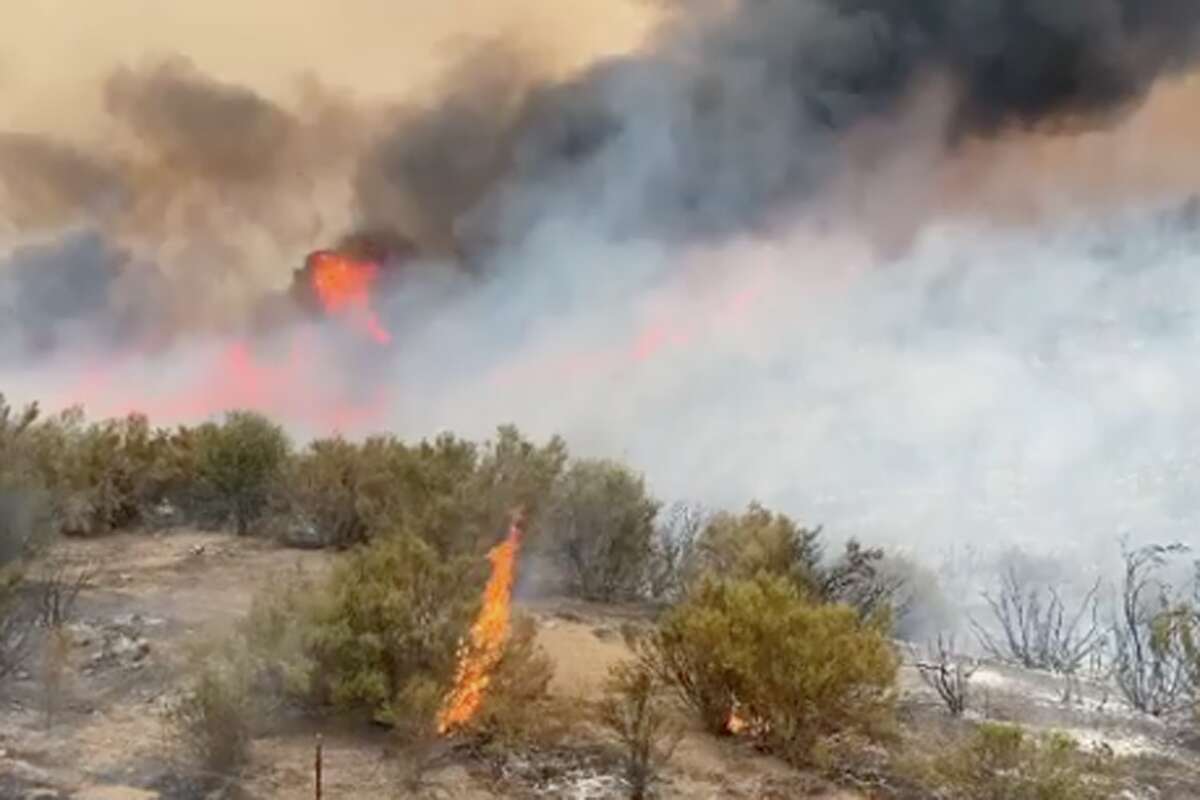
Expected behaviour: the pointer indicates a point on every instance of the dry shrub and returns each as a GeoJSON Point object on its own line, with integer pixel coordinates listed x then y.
{"type": "Point", "coordinates": [636, 709]}
{"type": "Point", "coordinates": [213, 722]}
{"type": "Point", "coordinates": [1003, 761]}
{"type": "Point", "coordinates": [515, 706]}
{"type": "Point", "coordinates": [797, 670]}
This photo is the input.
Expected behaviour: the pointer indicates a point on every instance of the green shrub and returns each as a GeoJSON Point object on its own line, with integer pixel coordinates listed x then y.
{"type": "Point", "coordinates": [425, 489]}
{"type": "Point", "coordinates": [322, 486]}
{"type": "Point", "coordinates": [381, 635]}
{"type": "Point", "coordinates": [241, 461]}
{"type": "Point", "coordinates": [389, 626]}
{"type": "Point", "coordinates": [760, 542]}
{"type": "Point", "coordinates": [1002, 762]}
{"type": "Point", "coordinates": [798, 670]}
{"type": "Point", "coordinates": [598, 531]}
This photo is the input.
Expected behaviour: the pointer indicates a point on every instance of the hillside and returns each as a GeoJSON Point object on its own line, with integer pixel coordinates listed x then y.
{"type": "Point", "coordinates": [154, 596]}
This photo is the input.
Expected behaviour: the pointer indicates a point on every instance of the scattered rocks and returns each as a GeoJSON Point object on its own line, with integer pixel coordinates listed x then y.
{"type": "Point", "coordinates": [118, 643]}
{"type": "Point", "coordinates": [301, 534]}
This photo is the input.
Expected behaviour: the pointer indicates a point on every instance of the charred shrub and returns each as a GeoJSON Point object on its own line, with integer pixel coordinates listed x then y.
{"type": "Point", "coordinates": [797, 671]}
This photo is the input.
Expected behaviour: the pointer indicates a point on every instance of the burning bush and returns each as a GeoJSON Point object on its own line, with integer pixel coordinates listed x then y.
{"type": "Point", "coordinates": [598, 531]}
{"type": "Point", "coordinates": [794, 670]}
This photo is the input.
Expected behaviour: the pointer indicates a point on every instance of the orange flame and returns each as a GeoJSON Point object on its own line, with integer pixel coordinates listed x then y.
{"type": "Point", "coordinates": [343, 285]}
{"type": "Point", "coordinates": [485, 646]}
{"type": "Point", "coordinates": [736, 724]}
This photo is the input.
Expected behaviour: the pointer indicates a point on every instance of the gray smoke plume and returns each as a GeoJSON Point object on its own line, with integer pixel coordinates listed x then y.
{"type": "Point", "coordinates": [735, 110]}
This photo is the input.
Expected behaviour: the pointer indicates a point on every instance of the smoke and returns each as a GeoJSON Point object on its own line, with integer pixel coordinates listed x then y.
{"type": "Point", "coordinates": [853, 258]}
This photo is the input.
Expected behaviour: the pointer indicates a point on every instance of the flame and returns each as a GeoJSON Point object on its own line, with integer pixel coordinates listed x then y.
{"type": "Point", "coordinates": [485, 646]}
{"type": "Point", "coordinates": [736, 724]}
{"type": "Point", "coordinates": [343, 285]}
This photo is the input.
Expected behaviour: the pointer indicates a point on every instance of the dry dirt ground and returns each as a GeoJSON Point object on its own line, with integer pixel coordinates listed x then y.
{"type": "Point", "coordinates": [154, 595]}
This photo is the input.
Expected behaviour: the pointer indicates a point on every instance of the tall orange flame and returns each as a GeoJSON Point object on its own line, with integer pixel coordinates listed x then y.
{"type": "Point", "coordinates": [482, 651]}
{"type": "Point", "coordinates": [343, 285]}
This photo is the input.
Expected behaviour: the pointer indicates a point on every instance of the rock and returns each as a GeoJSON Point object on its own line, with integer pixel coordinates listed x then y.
{"type": "Point", "coordinates": [302, 534]}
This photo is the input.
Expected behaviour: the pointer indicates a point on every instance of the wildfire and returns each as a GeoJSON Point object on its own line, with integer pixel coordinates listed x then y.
{"type": "Point", "coordinates": [736, 724]}
{"type": "Point", "coordinates": [343, 285]}
{"type": "Point", "coordinates": [482, 651]}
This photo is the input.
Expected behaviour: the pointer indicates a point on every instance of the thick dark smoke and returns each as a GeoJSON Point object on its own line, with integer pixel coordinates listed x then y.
{"type": "Point", "coordinates": [733, 113]}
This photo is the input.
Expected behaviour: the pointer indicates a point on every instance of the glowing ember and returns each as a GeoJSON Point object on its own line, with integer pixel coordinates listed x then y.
{"type": "Point", "coordinates": [343, 285]}
{"type": "Point", "coordinates": [485, 646]}
{"type": "Point", "coordinates": [736, 724]}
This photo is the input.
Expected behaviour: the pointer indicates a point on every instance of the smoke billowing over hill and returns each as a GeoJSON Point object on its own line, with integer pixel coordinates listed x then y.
{"type": "Point", "coordinates": [906, 268]}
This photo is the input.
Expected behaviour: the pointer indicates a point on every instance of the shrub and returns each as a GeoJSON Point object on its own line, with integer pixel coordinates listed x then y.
{"type": "Point", "coordinates": [758, 541]}
{"type": "Point", "coordinates": [797, 669]}
{"type": "Point", "coordinates": [212, 722]}
{"type": "Point", "coordinates": [425, 489]}
{"type": "Point", "coordinates": [761, 542]}
{"type": "Point", "coordinates": [598, 530]}
{"type": "Point", "coordinates": [673, 551]}
{"type": "Point", "coordinates": [241, 461]}
{"type": "Point", "coordinates": [387, 632]}
{"type": "Point", "coordinates": [635, 710]}
{"type": "Point", "coordinates": [1002, 761]}
{"type": "Point", "coordinates": [514, 707]}
{"type": "Point", "coordinates": [25, 525]}
{"type": "Point", "coordinates": [514, 473]}
{"type": "Point", "coordinates": [17, 620]}
{"type": "Point", "coordinates": [1154, 658]}
{"type": "Point", "coordinates": [322, 486]}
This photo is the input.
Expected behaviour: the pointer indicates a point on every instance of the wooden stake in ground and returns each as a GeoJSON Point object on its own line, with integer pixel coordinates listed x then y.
{"type": "Point", "coordinates": [317, 768]}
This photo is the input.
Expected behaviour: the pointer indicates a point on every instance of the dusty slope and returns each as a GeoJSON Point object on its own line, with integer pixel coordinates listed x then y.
{"type": "Point", "coordinates": [154, 595]}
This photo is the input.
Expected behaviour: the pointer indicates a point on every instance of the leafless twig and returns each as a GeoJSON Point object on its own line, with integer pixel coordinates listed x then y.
{"type": "Point", "coordinates": [948, 674]}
